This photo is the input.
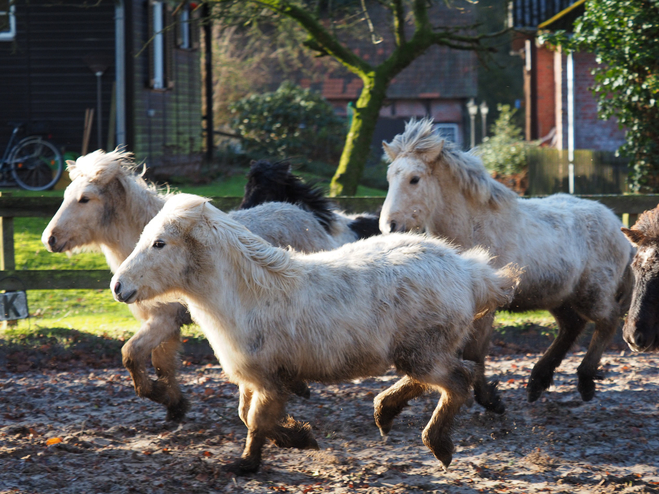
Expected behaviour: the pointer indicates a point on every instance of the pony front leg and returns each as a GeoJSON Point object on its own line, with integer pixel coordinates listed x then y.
{"type": "Point", "coordinates": [588, 369]}
{"type": "Point", "coordinates": [454, 387]}
{"type": "Point", "coordinates": [159, 337]}
{"type": "Point", "coordinates": [570, 326]}
{"type": "Point", "coordinates": [389, 403]}
{"type": "Point", "coordinates": [263, 415]}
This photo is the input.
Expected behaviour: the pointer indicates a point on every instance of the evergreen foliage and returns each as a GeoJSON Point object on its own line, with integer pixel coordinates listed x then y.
{"type": "Point", "coordinates": [289, 122]}
{"type": "Point", "coordinates": [505, 152]}
{"type": "Point", "coordinates": [623, 35]}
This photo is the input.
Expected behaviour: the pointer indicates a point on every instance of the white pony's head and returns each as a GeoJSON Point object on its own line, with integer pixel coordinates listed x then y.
{"type": "Point", "coordinates": [167, 254]}
{"type": "Point", "coordinates": [184, 247]}
{"type": "Point", "coordinates": [425, 170]}
{"type": "Point", "coordinates": [91, 202]}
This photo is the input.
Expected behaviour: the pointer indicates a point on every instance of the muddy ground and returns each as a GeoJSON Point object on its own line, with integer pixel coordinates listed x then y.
{"type": "Point", "coordinates": [76, 426]}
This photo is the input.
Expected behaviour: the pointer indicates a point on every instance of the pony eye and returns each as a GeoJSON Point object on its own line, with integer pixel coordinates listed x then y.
{"type": "Point", "coordinates": [83, 200]}
{"type": "Point", "coordinates": [158, 244]}
{"type": "Point", "coordinates": [415, 180]}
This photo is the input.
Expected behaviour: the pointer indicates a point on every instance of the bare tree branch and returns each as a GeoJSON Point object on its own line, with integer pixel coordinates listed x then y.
{"type": "Point", "coordinates": [398, 11]}
{"type": "Point", "coordinates": [320, 35]}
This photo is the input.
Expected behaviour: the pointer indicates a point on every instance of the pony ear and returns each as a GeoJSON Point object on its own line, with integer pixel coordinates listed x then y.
{"type": "Point", "coordinates": [71, 168]}
{"type": "Point", "coordinates": [433, 154]}
{"type": "Point", "coordinates": [391, 153]}
{"type": "Point", "coordinates": [636, 237]}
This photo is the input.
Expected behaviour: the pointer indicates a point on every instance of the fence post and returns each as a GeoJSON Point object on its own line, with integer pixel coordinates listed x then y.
{"type": "Point", "coordinates": [7, 261]}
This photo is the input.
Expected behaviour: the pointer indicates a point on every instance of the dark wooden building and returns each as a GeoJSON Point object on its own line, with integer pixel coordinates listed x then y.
{"type": "Point", "coordinates": [135, 61]}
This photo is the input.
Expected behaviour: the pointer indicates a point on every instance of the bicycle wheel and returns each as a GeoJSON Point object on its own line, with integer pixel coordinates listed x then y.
{"type": "Point", "coordinates": [36, 164]}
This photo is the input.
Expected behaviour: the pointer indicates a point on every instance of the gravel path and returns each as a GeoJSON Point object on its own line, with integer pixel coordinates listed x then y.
{"type": "Point", "coordinates": [85, 431]}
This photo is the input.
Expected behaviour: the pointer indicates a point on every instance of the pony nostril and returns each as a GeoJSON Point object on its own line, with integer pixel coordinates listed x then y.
{"type": "Point", "coordinates": [639, 340]}
{"type": "Point", "coordinates": [392, 226]}
{"type": "Point", "coordinates": [52, 240]}
{"type": "Point", "coordinates": [117, 289]}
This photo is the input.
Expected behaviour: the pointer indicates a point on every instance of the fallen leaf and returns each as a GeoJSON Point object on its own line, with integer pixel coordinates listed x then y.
{"type": "Point", "coordinates": [53, 440]}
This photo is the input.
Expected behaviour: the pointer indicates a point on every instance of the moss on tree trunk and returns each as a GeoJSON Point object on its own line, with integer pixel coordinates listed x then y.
{"type": "Point", "coordinates": [358, 142]}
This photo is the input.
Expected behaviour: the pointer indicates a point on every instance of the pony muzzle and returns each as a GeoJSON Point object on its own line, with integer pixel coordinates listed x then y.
{"type": "Point", "coordinates": [121, 294]}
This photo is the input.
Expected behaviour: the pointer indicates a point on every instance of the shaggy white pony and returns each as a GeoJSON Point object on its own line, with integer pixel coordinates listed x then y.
{"type": "Point", "coordinates": [272, 315]}
{"type": "Point", "coordinates": [576, 261]}
{"type": "Point", "coordinates": [105, 208]}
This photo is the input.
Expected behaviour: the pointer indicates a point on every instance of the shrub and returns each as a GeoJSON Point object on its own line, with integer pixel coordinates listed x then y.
{"type": "Point", "coordinates": [289, 122]}
{"type": "Point", "coordinates": [505, 152]}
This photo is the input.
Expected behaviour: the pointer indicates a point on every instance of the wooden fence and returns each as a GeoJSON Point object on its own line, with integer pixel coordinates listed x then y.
{"type": "Point", "coordinates": [14, 207]}
{"type": "Point", "coordinates": [595, 172]}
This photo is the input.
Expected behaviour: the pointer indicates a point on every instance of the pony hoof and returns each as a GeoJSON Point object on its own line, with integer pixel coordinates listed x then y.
{"type": "Point", "coordinates": [586, 388]}
{"type": "Point", "coordinates": [243, 466]}
{"type": "Point", "coordinates": [177, 411]}
{"type": "Point", "coordinates": [533, 393]}
{"type": "Point", "coordinates": [443, 451]}
{"type": "Point", "coordinates": [536, 386]}
{"type": "Point", "coordinates": [492, 403]}
{"type": "Point", "coordinates": [300, 389]}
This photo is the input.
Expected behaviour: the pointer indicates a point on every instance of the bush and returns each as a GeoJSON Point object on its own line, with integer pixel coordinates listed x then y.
{"type": "Point", "coordinates": [505, 152]}
{"type": "Point", "coordinates": [289, 122]}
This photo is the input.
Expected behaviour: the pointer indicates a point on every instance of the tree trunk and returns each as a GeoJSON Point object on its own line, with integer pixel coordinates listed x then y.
{"type": "Point", "coordinates": [358, 142]}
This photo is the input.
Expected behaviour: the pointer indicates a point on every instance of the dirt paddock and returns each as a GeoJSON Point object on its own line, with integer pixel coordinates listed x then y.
{"type": "Point", "coordinates": [76, 430]}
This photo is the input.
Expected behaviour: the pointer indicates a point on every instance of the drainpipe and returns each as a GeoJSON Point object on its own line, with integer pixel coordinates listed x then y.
{"type": "Point", "coordinates": [208, 62]}
{"type": "Point", "coordinates": [120, 72]}
{"type": "Point", "coordinates": [570, 121]}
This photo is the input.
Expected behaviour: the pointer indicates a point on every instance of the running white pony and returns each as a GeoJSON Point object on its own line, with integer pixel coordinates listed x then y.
{"type": "Point", "coordinates": [576, 261]}
{"type": "Point", "coordinates": [272, 315]}
{"type": "Point", "coordinates": [105, 208]}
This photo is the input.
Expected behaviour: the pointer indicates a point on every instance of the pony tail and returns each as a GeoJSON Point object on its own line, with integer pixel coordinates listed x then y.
{"type": "Point", "coordinates": [492, 288]}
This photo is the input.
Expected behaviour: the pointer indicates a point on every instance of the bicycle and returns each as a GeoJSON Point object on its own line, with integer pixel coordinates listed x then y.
{"type": "Point", "coordinates": [31, 163]}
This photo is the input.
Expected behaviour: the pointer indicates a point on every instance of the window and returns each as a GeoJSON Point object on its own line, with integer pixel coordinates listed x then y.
{"type": "Point", "coordinates": [187, 27]}
{"type": "Point", "coordinates": [160, 46]}
{"type": "Point", "coordinates": [7, 20]}
{"type": "Point", "coordinates": [448, 131]}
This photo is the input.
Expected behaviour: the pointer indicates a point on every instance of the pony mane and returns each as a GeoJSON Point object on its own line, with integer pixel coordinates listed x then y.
{"type": "Point", "coordinates": [267, 182]}
{"type": "Point", "coordinates": [100, 167]}
{"type": "Point", "coordinates": [261, 264]}
{"type": "Point", "coordinates": [419, 138]}
{"type": "Point", "coordinates": [648, 223]}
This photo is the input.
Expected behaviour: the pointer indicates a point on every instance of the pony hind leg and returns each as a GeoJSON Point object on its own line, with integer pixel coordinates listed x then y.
{"type": "Point", "coordinates": [390, 403]}
{"type": "Point", "coordinates": [587, 371]}
{"type": "Point", "coordinates": [476, 350]}
{"type": "Point", "coordinates": [454, 386]}
{"type": "Point", "coordinates": [570, 326]}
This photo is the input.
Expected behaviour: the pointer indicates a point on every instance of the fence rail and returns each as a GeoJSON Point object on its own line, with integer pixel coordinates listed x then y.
{"type": "Point", "coordinates": [45, 207]}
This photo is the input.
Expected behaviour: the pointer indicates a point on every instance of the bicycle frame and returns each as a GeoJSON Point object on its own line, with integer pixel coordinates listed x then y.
{"type": "Point", "coordinates": [10, 145]}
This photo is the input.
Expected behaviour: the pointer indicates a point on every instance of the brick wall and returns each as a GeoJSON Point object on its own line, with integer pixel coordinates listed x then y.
{"type": "Point", "coordinates": [589, 131]}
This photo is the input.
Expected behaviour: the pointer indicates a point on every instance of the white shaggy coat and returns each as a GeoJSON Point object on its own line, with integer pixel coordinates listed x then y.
{"type": "Point", "coordinates": [574, 257]}
{"type": "Point", "coordinates": [106, 207]}
{"type": "Point", "coordinates": [403, 299]}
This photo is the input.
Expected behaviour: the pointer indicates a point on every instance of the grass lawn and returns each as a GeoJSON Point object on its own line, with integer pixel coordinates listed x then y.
{"type": "Point", "coordinates": [95, 312]}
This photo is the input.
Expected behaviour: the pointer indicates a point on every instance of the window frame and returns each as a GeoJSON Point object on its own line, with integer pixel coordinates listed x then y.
{"type": "Point", "coordinates": [448, 125]}
{"type": "Point", "coordinates": [10, 34]}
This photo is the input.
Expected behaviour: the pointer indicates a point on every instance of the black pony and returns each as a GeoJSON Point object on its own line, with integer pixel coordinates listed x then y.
{"type": "Point", "coordinates": [268, 182]}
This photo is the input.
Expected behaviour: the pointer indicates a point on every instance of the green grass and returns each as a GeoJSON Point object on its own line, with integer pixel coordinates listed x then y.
{"type": "Point", "coordinates": [94, 311]}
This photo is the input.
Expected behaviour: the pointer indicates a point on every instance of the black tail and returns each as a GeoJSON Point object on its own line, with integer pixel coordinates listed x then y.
{"type": "Point", "coordinates": [274, 182]}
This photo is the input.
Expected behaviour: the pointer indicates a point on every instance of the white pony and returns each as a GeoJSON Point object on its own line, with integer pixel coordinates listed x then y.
{"type": "Point", "coordinates": [576, 261]}
{"type": "Point", "coordinates": [105, 207]}
{"type": "Point", "coordinates": [273, 315]}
